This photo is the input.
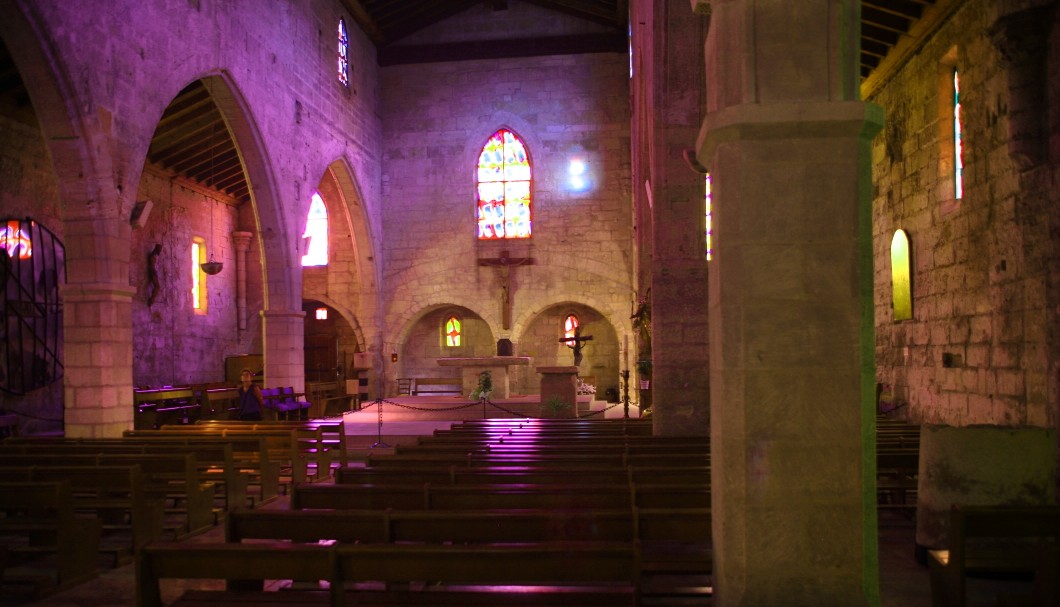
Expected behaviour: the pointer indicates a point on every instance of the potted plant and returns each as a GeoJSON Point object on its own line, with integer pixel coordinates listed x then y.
{"type": "Point", "coordinates": [644, 370]}
{"type": "Point", "coordinates": [484, 388]}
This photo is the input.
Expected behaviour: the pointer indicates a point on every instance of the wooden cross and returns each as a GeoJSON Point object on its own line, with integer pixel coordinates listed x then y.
{"type": "Point", "coordinates": [505, 263]}
{"type": "Point", "coordinates": [576, 343]}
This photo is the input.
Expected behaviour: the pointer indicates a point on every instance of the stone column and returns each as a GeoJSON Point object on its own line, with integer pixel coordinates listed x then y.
{"type": "Point", "coordinates": [241, 240]}
{"type": "Point", "coordinates": [97, 326]}
{"type": "Point", "coordinates": [283, 346]}
{"type": "Point", "coordinates": [790, 296]}
{"type": "Point", "coordinates": [679, 344]}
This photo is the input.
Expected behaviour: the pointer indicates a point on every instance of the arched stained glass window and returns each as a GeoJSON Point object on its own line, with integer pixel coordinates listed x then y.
{"type": "Point", "coordinates": [901, 279]}
{"type": "Point", "coordinates": [453, 332]}
{"type": "Point", "coordinates": [570, 329]}
{"type": "Point", "coordinates": [344, 54]}
{"type": "Point", "coordinates": [958, 133]}
{"type": "Point", "coordinates": [504, 198]}
{"type": "Point", "coordinates": [709, 229]}
{"type": "Point", "coordinates": [316, 230]}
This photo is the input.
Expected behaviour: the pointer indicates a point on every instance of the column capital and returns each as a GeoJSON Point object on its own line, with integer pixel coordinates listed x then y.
{"type": "Point", "coordinates": [241, 240]}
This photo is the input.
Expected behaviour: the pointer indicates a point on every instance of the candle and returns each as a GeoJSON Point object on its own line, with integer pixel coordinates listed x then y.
{"type": "Point", "coordinates": [625, 352]}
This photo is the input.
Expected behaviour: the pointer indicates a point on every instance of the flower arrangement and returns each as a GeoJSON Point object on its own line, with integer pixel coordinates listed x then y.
{"type": "Point", "coordinates": [584, 388]}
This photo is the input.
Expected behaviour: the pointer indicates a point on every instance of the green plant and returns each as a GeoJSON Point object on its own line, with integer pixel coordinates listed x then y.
{"type": "Point", "coordinates": [557, 405]}
{"type": "Point", "coordinates": [644, 367]}
{"type": "Point", "coordinates": [485, 386]}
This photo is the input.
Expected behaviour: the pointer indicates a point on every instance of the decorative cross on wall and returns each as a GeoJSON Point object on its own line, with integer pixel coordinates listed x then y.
{"type": "Point", "coordinates": [505, 263]}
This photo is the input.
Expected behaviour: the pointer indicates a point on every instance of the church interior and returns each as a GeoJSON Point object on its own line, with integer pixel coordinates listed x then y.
{"type": "Point", "coordinates": [799, 259]}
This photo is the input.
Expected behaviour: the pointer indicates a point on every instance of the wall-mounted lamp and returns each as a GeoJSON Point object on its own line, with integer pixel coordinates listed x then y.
{"type": "Point", "coordinates": [393, 357]}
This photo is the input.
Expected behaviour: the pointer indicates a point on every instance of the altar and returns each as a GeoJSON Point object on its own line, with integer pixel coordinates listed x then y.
{"type": "Point", "coordinates": [471, 367]}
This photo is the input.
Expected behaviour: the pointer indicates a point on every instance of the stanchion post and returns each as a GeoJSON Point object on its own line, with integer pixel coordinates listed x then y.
{"type": "Point", "coordinates": [379, 432]}
{"type": "Point", "coordinates": [625, 391]}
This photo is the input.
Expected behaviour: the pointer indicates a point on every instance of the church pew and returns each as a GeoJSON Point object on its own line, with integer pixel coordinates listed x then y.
{"type": "Point", "coordinates": [38, 525]}
{"type": "Point", "coordinates": [471, 526]}
{"type": "Point", "coordinates": [215, 460]}
{"type": "Point", "coordinates": [497, 497]}
{"type": "Point", "coordinates": [998, 540]}
{"type": "Point", "coordinates": [273, 453]}
{"type": "Point", "coordinates": [552, 574]}
{"type": "Point", "coordinates": [556, 448]}
{"type": "Point", "coordinates": [459, 475]}
{"type": "Point", "coordinates": [418, 459]}
{"type": "Point", "coordinates": [113, 494]}
{"type": "Point", "coordinates": [329, 398]}
{"type": "Point", "coordinates": [331, 434]}
{"type": "Point", "coordinates": [437, 385]}
{"type": "Point", "coordinates": [168, 477]}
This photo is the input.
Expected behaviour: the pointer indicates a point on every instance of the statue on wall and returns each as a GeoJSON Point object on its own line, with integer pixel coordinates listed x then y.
{"type": "Point", "coordinates": [152, 274]}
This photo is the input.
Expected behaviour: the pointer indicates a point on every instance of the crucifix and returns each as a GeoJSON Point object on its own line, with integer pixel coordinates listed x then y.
{"type": "Point", "coordinates": [576, 343]}
{"type": "Point", "coordinates": [505, 263]}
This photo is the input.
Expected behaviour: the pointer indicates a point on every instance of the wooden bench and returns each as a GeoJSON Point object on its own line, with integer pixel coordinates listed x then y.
{"type": "Point", "coordinates": [215, 460]}
{"type": "Point", "coordinates": [472, 526]}
{"type": "Point", "coordinates": [113, 494]}
{"type": "Point", "coordinates": [330, 433]}
{"type": "Point", "coordinates": [494, 475]}
{"type": "Point", "coordinates": [496, 497]}
{"type": "Point", "coordinates": [998, 540]}
{"type": "Point", "coordinates": [437, 385]}
{"type": "Point", "coordinates": [330, 399]}
{"type": "Point", "coordinates": [250, 456]}
{"type": "Point", "coordinates": [544, 574]}
{"type": "Point", "coordinates": [417, 459]}
{"type": "Point", "coordinates": [37, 521]}
{"type": "Point", "coordinates": [153, 407]}
{"type": "Point", "coordinates": [171, 477]}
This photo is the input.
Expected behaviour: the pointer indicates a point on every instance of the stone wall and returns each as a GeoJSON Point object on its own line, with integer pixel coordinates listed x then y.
{"type": "Point", "coordinates": [976, 350]}
{"type": "Point", "coordinates": [437, 116]}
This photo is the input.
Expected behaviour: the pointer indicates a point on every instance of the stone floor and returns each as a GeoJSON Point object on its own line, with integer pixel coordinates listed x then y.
{"type": "Point", "coordinates": [903, 582]}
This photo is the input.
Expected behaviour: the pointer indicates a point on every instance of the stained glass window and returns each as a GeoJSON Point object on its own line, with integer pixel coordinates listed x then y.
{"type": "Point", "coordinates": [198, 277]}
{"type": "Point", "coordinates": [958, 136]}
{"type": "Point", "coordinates": [709, 229]}
{"type": "Point", "coordinates": [504, 204]}
{"type": "Point", "coordinates": [344, 54]}
{"type": "Point", "coordinates": [901, 283]}
{"type": "Point", "coordinates": [316, 230]}
{"type": "Point", "coordinates": [570, 329]}
{"type": "Point", "coordinates": [452, 332]}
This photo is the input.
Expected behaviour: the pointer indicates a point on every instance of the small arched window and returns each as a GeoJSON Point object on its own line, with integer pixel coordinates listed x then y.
{"type": "Point", "coordinates": [344, 55]}
{"type": "Point", "coordinates": [453, 332]}
{"type": "Point", "coordinates": [901, 276]}
{"type": "Point", "coordinates": [316, 230]}
{"type": "Point", "coordinates": [570, 329]}
{"type": "Point", "coordinates": [503, 184]}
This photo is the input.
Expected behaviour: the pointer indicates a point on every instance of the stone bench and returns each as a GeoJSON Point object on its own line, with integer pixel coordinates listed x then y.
{"type": "Point", "coordinates": [437, 385]}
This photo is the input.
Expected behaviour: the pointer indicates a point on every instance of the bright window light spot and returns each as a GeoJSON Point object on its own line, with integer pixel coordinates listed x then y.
{"type": "Point", "coordinates": [316, 230]}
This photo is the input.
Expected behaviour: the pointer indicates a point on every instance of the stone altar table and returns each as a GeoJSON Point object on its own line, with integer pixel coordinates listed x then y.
{"type": "Point", "coordinates": [471, 367]}
{"type": "Point", "coordinates": [560, 383]}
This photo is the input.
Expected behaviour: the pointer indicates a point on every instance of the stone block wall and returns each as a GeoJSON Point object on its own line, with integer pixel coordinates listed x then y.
{"type": "Point", "coordinates": [437, 116]}
{"type": "Point", "coordinates": [976, 349]}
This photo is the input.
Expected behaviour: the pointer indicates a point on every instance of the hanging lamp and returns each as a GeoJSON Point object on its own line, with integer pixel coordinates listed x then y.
{"type": "Point", "coordinates": [212, 268]}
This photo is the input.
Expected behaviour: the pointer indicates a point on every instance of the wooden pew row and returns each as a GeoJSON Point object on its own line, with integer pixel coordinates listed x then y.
{"type": "Point", "coordinates": [498, 497]}
{"type": "Point", "coordinates": [999, 540]}
{"type": "Point", "coordinates": [691, 525]}
{"type": "Point", "coordinates": [554, 575]}
{"type": "Point", "coordinates": [416, 459]}
{"type": "Point", "coordinates": [462, 475]}
{"type": "Point", "coordinates": [113, 494]}
{"type": "Point", "coordinates": [587, 439]}
{"type": "Point", "coordinates": [280, 448]}
{"type": "Point", "coordinates": [556, 448]}
{"type": "Point", "coordinates": [216, 460]}
{"type": "Point", "coordinates": [172, 478]}
{"type": "Point", "coordinates": [38, 523]}
{"type": "Point", "coordinates": [330, 433]}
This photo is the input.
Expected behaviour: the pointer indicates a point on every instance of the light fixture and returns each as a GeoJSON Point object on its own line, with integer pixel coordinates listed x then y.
{"type": "Point", "coordinates": [212, 268]}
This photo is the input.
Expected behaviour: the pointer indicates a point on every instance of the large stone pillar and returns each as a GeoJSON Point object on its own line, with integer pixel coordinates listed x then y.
{"type": "Point", "coordinates": [97, 326]}
{"type": "Point", "coordinates": [283, 347]}
{"type": "Point", "coordinates": [679, 343]}
{"type": "Point", "coordinates": [790, 299]}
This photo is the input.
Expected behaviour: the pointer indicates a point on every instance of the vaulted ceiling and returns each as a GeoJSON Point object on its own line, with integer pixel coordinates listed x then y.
{"type": "Point", "coordinates": [192, 140]}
